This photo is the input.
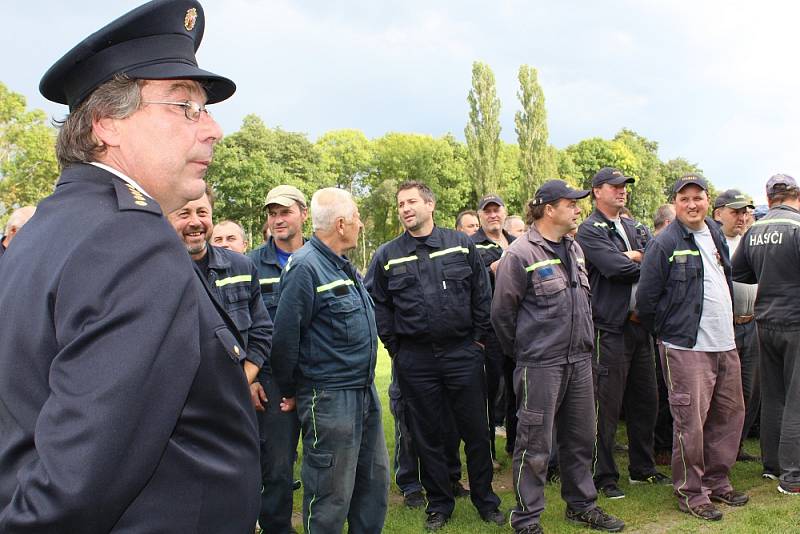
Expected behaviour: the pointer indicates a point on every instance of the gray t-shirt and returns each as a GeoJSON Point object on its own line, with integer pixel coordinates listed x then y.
{"type": "Point", "coordinates": [621, 231]}
{"type": "Point", "coordinates": [744, 295]}
{"type": "Point", "coordinates": [715, 333]}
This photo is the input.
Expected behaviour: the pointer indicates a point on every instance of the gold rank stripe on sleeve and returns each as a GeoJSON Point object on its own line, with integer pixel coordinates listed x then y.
{"type": "Point", "coordinates": [450, 250]}
{"type": "Point", "coordinates": [268, 281]}
{"type": "Point", "coordinates": [543, 263]}
{"type": "Point", "coordinates": [242, 278]}
{"type": "Point", "coordinates": [396, 261]}
{"type": "Point", "coordinates": [684, 253]}
{"type": "Point", "coordinates": [334, 284]}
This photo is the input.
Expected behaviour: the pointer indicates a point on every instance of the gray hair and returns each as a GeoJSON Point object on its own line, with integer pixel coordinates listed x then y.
{"type": "Point", "coordinates": [19, 217]}
{"type": "Point", "coordinates": [329, 204]}
{"type": "Point", "coordinates": [664, 214]}
{"type": "Point", "coordinates": [117, 98]}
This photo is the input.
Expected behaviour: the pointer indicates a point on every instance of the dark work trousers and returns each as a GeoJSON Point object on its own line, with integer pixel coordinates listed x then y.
{"type": "Point", "coordinates": [511, 404]}
{"type": "Point", "coordinates": [705, 396]}
{"type": "Point", "coordinates": [780, 401]}
{"type": "Point", "coordinates": [625, 376]}
{"type": "Point", "coordinates": [406, 461]}
{"type": "Point", "coordinates": [747, 347]}
{"type": "Point", "coordinates": [345, 469]}
{"type": "Point", "coordinates": [278, 433]}
{"type": "Point", "coordinates": [494, 374]}
{"type": "Point", "coordinates": [431, 378]}
{"type": "Point", "coordinates": [562, 395]}
{"type": "Point", "coordinates": [662, 437]}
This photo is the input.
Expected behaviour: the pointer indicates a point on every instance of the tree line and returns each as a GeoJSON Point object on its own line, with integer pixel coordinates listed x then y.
{"type": "Point", "coordinates": [255, 158]}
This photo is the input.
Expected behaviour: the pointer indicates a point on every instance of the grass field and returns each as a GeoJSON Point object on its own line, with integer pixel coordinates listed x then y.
{"type": "Point", "coordinates": [648, 509]}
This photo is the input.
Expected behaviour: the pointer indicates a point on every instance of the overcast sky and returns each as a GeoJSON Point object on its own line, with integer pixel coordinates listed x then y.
{"type": "Point", "coordinates": [715, 82]}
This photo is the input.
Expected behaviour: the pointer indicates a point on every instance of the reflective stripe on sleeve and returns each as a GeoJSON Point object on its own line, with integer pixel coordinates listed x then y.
{"type": "Point", "coordinates": [763, 222]}
{"type": "Point", "coordinates": [242, 278]}
{"type": "Point", "coordinates": [267, 281]}
{"type": "Point", "coordinates": [493, 245]}
{"type": "Point", "coordinates": [335, 283]}
{"type": "Point", "coordinates": [448, 251]}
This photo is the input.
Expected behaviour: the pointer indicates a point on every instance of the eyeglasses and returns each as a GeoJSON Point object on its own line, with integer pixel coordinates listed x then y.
{"type": "Point", "coordinates": [191, 109]}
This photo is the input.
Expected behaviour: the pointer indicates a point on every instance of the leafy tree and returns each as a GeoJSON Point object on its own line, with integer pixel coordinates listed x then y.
{"type": "Point", "coordinates": [531, 128]}
{"type": "Point", "coordinates": [28, 165]}
{"type": "Point", "coordinates": [674, 169]}
{"type": "Point", "coordinates": [345, 157]}
{"type": "Point", "coordinates": [483, 130]}
{"type": "Point", "coordinates": [646, 195]}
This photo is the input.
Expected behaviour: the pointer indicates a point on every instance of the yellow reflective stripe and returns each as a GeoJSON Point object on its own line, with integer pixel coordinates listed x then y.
{"type": "Point", "coordinates": [543, 263]}
{"type": "Point", "coordinates": [395, 261]}
{"type": "Point", "coordinates": [449, 251]}
{"type": "Point", "coordinates": [264, 281]}
{"type": "Point", "coordinates": [335, 283]}
{"type": "Point", "coordinates": [684, 253]}
{"type": "Point", "coordinates": [234, 280]}
{"type": "Point", "coordinates": [493, 245]}
{"type": "Point", "coordinates": [763, 222]}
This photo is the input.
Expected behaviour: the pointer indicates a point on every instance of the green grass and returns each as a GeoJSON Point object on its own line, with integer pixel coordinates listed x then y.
{"type": "Point", "coordinates": [649, 509]}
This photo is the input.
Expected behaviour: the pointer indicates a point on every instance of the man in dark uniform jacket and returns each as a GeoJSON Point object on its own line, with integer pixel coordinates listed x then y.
{"type": "Point", "coordinates": [123, 403]}
{"type": "Point", "coordinates": [432, 300]}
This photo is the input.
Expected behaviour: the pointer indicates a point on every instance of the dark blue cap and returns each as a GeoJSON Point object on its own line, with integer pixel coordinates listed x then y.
{"type": "Point", "coordinates": [610, 175]}
{"type": "Point", "coordinates": [155, 41]}
{"type": "Point", "coordinates": [552, 190]}
{"type": "Point", "coordinates": [687, 179]}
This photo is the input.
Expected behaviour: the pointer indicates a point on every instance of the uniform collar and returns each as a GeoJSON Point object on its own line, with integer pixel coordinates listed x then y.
{"type": "Point", "coordinates": [121, 176]}
{"type": "Point", "coordinates": [432, 240]}
{"type": "Point", "coordinates": [480, 237]}
{"type": "Point", "coordinates": [217, 258]}
{"type": "Point", "coordinates": [340, 261]}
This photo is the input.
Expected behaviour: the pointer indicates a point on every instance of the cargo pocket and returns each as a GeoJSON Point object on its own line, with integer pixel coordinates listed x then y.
{"type": "Point", "coordinates": [529, 426]}
{"type": "Point", "coordinates": [680, 405]}
{"type": "Point", "coordinates": [549, 293]}
{"type": "Point", "coordinates": [344, 319]}
{"type": "Point", "coordinates": [317, 472]}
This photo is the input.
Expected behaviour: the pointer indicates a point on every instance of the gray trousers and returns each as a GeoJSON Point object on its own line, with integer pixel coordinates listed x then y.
{"type": "Point", "coordinates": [780, 401]}
{"type": "Point", "coordinates": [705, 397]}
{"type": "Point", "coordinates": [562, 394]}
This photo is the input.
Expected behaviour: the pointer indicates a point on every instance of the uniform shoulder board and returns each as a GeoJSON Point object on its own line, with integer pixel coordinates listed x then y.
{"type": "Point", "coordinates": [130, 198]}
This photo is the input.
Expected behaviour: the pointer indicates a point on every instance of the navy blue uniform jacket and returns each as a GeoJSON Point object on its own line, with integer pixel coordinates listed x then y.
{"type": "Point", "coordinates": [123, 404]}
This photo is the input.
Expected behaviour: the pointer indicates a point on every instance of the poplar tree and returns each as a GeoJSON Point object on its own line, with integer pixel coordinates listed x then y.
{"type": "Point", "coordinates": [483, 130]}
{"type": "Point", "coordinates": [531, 127]}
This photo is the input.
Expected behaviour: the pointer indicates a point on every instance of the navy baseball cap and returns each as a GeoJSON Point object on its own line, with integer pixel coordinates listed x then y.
{"type": "Point", "coordinates": [687, 179]}
{"type": "Point", "coordinates": [490, 199]}
{"type": "Point", "coordinates": [155, 41]}
{"type": "Point", "coordinates": [610, 175]}
{"type": "Point", "coordinates": [780, 182]}
{"type": "Point", "coordinates": [552, 190]}
{"type": "Point", "coordinates": [734, 199]}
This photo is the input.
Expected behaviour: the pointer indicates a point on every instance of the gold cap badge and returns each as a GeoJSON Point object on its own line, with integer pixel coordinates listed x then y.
{"type": "Point", "coordinates": [190, 19]}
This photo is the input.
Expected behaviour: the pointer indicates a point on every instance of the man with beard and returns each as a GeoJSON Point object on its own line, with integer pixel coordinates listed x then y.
{"type": "Point", "coordinates": [432, 298]}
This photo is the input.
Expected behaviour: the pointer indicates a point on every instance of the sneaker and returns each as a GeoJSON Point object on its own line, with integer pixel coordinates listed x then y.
{"type": "Point", "coordinates": [732, 498]}
{"type": "Point", "coordinates": [459, 490]}
{"type": "Point", "coordinates": [435, 521]}
{"type": "Point", "coordinates": [769, 475]}
{"type": "Point", "coordinates": [296, 485]}
{"type": "Point", "coordinates": [535, 528]}
{"type": "Point", "coordinates": [656, 478]}
{"type": "Point", "coordinates": [789, 489]}
{"type": "Point", "coordinates": [612, 491]}
{"type": "Point", "coordinates": [495, 516]}
{"type": "Point", "coordinates": [596, 518]}
{"type": "Point", "coordinates": [709, 512]}
{"type": "Point", "coordinates": [415, 499]}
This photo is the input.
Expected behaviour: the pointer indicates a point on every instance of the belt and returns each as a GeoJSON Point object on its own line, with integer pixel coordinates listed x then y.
{"type": "Point", "coordinates": [742, 319]}
{"type": "Point", "coordinates": [632, 317]}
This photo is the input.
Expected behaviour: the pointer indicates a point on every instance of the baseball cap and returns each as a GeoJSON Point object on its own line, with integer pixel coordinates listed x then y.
{"type": "Point", "coordinates": [689, 179]}
{"type": "Point", "coordinates": [734, 199]}
{"type": "Point", "coordinates": [490, 199]}
{"type": "Point", "coordinates": [285, 195]}
{"type": "Point", "coordinates": [780, 182]}
{"type": "Point", "coordinates": [155, 41]}
{"type": "Point", "coordinates": [610, 175]}
{"type": "Point", "coordinates": [552, 190]}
